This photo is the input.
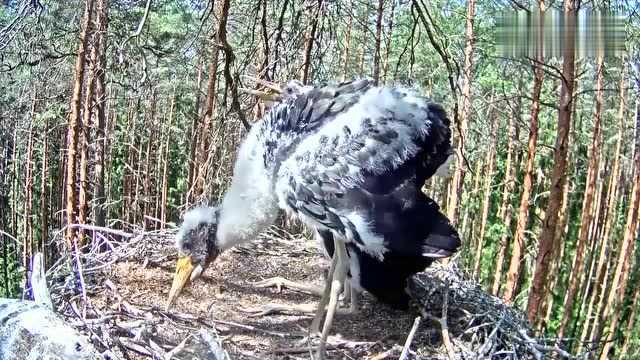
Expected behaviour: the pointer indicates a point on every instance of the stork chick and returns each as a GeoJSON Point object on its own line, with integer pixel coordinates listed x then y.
{"type": "Point", "coordinates": [349, 161]}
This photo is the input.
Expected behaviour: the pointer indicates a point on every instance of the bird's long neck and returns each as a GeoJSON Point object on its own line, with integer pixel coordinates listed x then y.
{"type": "Point", "coordinates": [249, 206]}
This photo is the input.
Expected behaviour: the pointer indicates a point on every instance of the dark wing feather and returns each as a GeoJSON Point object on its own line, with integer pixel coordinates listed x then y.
{"type": "Point", "coordinates": [377, 132]}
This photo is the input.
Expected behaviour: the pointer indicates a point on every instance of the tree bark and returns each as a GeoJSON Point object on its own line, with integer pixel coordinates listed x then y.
{"type": "Point", "coordinates": [27, 246]}
{"type": "Point", "coordinates": [604, 254]}
{"type": "Point", "coordinates": [613, 306]}
{"type": "Point", "coordinates": [310, 38]}
{"type": "Point", "coordinates": [73, 126]}
{"type": "Point", "coordinates": [207, 118]}
{"type": "Point", "coordinates": [630, 323]}
{"type": "Point", "coordinates": [457, 181]}
{"type": "Point", "coordinates": [85, 137]}
{"type": "Point", "coordinates": [101, 113]}
{"type": "Point", "coordinates": [563, 228]}
{"type": "Point", "coordinates": [193, 135]}
{"type": "Point", "coordinates": [587, 205]}
{"type": "Point", "coordinates": [378, 42]}
{"type": "Point", "coordinates": [513, 272]}
{"type": "Point", "coordinates": [347, 43]}
{"type": "Point", "coordinates": [539, 288]}
{"type": "Point", "coordinates": [486, 199]}
{"type": "Point", "coordinates": [506, 211]}
{"type": "Point", "coordinates": [278, 40]}
{"type": "Point", "coordinates": [165, 164]}
{"type": "Point", "coordinates": [44, 206]}
{"type": "Point", "coordinates": [385, 68]}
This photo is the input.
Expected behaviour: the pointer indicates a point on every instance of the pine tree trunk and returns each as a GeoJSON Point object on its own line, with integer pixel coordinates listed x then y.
{"type": "Point", "coordinates": [587, 205]}
{"type": "Point", "coordinates": [101, 113]}
{"type": "Point", "coordinates": [73, 126]}
{"type": "Point", "coordinates": [27, 245]}
{"type": "Point", "coordinates": [44, 206]}
{"type": "Point", "coordinates": [347, 43]}
{"type": "Point", "coordinates": [559, 249]}
{"type": "Point", "coordinates": [85, 138]}
{"type": "Point", "coordinates": [457, 181]}
{"type": "Point", "coordinates": [149, 159]}
{"type": "Point", "coordinates": [486, 200]}
{"type": "Point", "coordinates": [597, 242]}
{"type": "Point", "coordinates": [605, 249]}
{"type": "Point", "coordinates": [278, 40]}
{"type": "Point", "coordinates": [193, 135]}
{"type": "Point", "coordinates": [613, 306]}
{"type": "Point", "coordinates": [165, 165]}
{"type": "Point", "coordinates": [365, 38]}
{"type": "Point", "coordinates": [388, 44]}
{"type": "Point", "coordinates": [506, 211]}
{"type": "Point", "coordinates": [467, 217]}
{"type": "Point", "coordinates": [310, 38]}
{"type": "Point", "coordinates": [204, 129]}
{"type": "Point", "coordinates": [378, 42]}
{"type": "Point", "coordinates": [630, 323]}
{"type": "Point", "coordinates": [513, 272]}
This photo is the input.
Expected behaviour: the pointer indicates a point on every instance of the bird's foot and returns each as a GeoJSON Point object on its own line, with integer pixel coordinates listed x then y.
{"type": "Point", "coordinates": [280, 282]}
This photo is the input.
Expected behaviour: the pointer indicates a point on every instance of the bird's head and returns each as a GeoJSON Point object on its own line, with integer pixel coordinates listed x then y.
{"type": "Point", "coordinates": [274, 93]}
{"type": "Point", "coordinates": [197, 247]}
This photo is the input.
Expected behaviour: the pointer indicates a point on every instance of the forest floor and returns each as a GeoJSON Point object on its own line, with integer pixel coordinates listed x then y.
{"type": "Point", "coordinates": [126, 289]}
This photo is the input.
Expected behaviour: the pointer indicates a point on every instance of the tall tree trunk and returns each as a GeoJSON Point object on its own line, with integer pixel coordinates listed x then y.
{"type": "Point", "coordinates": [27, 246]}
{"type": "Point", "coordinates": [278, 40]}
{"type": "Point", "coordinates": [506, 211]}
{"type": "Point", "coordinates": [148, 168]}
{"type": "Point", "coordinates": [130, 156]}
{"type": "Point", "coordinates": [610, 209]}
{"type": "Point", "coordinates": [207, 118]}
{"type": "Point", "coordinates": [635, 304]}
{"type": "Point", "coordinates": [539, 288]}
{"type": "Point", "coordinates": [262, 68]}
{"type": "Point", "coordinates": [378, 42]}
{"type": "Point", "coordinates": [388, 43]}
{"type": "Point", "coordinates": [457, 181]}
{"type": "Point", "coordinates": [365, 37]}
{"type": "Point", "coordinates": [563, 228]}
{"type": "Point", "coordinates": [193, 135]}
{"type": "Point", "coordinates": [44, 206]}
{"type": "Point", "coordinates": [347, 43]}
{"type": "Point", "coordinates": [613, 306]}
{"type": "Point", "coordinates": [310, 38]}
{"type": "Point", "coordinates": [165, 164]}
{"type": "Point", "coordinates": [589, 193]}
{"type": "Point", "coordinates": [486, 198]}
{"type": "Point", "coordinates": [73, 125]}
{"type": "Point", "coordinates": [85, 137]}
{"type": "Point", "coordinates": [513, 273]}
{"type": "Point", "coordinates": [101, 112]}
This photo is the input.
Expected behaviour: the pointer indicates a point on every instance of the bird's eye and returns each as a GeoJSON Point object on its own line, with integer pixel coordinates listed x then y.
{"type": "Point", "coordinates": [289, 90]}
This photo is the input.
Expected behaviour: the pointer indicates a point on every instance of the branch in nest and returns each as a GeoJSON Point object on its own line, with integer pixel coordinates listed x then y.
{"type": "Point", "coordinates": [446, 338]}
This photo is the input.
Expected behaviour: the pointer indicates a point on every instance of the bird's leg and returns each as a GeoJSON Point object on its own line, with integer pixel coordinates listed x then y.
{"type": "Point", "coordinates": [280, 282]}
{"type": "Point", "coordinates": [346, 291]}
{"type": "Point", "coordinates": [353, 300]}
{"type": "Point", "coordinates": [324, 300]}
{"type": "Point", "coordinates": [339, 275]}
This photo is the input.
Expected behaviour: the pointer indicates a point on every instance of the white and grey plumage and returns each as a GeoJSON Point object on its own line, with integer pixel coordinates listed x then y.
{"type": "Point", "coordinates": [349, 161]}
{"type": "Point", "coordinates": [29, 330]}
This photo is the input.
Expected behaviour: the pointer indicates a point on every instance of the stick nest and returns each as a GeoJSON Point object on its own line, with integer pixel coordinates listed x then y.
{"type": "Point", "coordinates": [115, 292]}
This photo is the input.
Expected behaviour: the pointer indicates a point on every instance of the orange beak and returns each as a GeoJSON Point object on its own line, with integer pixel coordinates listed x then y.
{"type": "Point", "coordinates": [184, 269]}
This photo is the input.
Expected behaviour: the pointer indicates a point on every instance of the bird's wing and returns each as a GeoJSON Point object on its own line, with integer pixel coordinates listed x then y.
{"type": "Point", "coordinates": [364, 133]}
